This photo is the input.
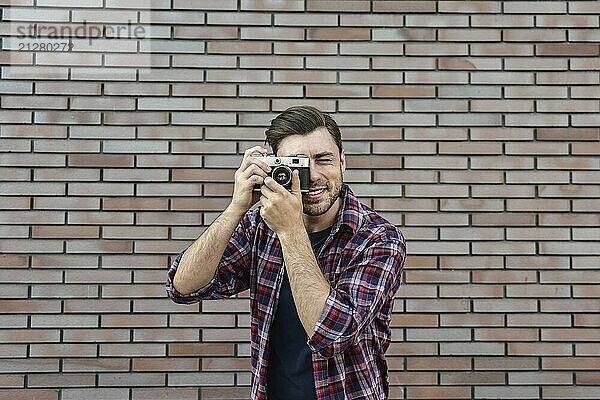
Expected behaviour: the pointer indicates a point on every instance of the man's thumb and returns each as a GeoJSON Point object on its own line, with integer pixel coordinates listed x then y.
{"type": "Point", "coordinates": [295, 182]}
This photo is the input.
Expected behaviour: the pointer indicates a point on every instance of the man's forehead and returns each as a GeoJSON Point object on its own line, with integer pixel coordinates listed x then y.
{"type": "Point", "coordinates": [315, 144]}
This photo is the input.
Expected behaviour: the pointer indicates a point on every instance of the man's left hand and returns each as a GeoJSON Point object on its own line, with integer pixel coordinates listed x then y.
{"type": "Point", "coordinates": [282, 209]}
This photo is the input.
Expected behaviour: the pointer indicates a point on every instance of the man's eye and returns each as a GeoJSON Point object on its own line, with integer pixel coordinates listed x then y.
{"type": "Point", "coordinates": [324, 160]}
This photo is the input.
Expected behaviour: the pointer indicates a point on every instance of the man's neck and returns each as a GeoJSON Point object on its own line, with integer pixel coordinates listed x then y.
{"type": "Point", "coordinates": [321, 222]}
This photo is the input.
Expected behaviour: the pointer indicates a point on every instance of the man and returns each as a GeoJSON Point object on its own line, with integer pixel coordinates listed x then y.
{"type": "Point", "coordinates": [322, 270]}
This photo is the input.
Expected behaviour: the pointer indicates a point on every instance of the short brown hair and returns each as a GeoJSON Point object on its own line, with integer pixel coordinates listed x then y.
{"type": "Point", "coordinates": [300, 120]}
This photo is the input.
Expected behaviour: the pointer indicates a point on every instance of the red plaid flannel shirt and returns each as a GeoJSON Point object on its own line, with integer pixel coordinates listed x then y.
{"type": "Point", "coordinates": [362, 259]}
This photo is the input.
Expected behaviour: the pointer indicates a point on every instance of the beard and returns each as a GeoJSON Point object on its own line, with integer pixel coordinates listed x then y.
{"type": "Point", "coordinates": [322, 205]}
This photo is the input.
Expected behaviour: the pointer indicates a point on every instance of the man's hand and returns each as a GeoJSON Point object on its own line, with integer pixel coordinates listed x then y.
{"type": "Point", "coordinates": [251, 172]}
{"type": "Point", "coordinates": [282, 209]}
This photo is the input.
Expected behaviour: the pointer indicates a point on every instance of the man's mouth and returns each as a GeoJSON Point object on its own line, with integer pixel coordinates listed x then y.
{"type": "Point", "coordinates": [315, 193]}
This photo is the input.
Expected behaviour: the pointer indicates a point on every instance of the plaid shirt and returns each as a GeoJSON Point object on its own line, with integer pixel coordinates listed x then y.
{"type": "Point", "coordinates": [362, 259]}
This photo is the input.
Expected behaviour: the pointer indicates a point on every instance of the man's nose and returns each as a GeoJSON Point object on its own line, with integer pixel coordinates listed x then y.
{"type": "Point", "coordinates": [314, 174]}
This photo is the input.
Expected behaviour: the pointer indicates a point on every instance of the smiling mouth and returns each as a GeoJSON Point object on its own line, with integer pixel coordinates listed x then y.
{"type": "Point", "coordinates": [315, 192]}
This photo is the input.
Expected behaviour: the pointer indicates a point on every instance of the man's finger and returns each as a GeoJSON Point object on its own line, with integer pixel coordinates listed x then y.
{"type": "Point", "coordinates": [248, 159]}
{"type": "Point", "coordinates": [272, 184]}
{"type": "Point", "coordinates": [252, 169]}
{"type": "Point", "coordinates": [251, 150]}
{"type": "Point", "coordinates": [265, 190]}
{"type": "Point", "coordinates": [260, 164]}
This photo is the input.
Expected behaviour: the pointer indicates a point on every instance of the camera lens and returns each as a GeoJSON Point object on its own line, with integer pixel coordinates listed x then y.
{"type": "Point", "coordinates": [282, 175]}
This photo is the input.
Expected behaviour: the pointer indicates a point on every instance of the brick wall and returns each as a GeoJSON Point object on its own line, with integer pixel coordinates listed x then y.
{"type": "Point", "coordinates": [474, 126]}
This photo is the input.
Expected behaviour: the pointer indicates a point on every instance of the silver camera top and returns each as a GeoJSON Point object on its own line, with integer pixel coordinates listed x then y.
{"type": "Point", "coordinates": [300, 160]}
{"type": "Point", "coordinates": [281, 169]}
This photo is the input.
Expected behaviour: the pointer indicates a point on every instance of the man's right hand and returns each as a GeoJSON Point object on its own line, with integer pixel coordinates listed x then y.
{"type": "Point", "coordinates": [251, 172]}
{"type": "Point", "coordinates": [199, 262]}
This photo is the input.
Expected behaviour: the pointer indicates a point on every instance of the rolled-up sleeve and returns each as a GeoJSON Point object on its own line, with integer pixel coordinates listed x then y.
{"type": "Point", "coordinates": [370, 279]}
{"type": "Point", "coordinates": [232, 274]}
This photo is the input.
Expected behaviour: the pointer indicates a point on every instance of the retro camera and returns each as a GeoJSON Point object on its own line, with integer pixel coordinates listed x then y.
{"type": "Point", "coordinates": [282, 167]}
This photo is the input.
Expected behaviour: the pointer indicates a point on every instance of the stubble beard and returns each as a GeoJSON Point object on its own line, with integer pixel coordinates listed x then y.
{"type": "Point", "coordinates": [323, 205]}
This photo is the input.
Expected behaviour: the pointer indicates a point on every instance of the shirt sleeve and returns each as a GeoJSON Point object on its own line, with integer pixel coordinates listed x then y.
{"type": "Point", "coordinates": [232, 274]}
{"type": "Point", "coordinates": [371, 278]}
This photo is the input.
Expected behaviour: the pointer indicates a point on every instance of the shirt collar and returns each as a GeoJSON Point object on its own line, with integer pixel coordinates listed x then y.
{"type": "Point", "coordinates": [350, 213]}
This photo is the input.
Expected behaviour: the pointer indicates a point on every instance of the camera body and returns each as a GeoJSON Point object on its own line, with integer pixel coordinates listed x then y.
{"type": "Point", "coordinates": [282, 167]}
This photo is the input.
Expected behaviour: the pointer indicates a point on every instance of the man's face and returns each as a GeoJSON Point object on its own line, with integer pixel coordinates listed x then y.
{"type": "Point", "coordinates": [326, 168]}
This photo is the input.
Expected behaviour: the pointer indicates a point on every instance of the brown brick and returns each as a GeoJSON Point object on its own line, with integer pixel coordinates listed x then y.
{"type": "Point", "coordinates": [586, 378]}
{"type": "Point", "coordinates": [131, 379]}
{"type": "Point", "coordinates": [539, 349]}
{"type": "Point", "coordinates": [137, 118]}
{"type": "Point", "coordinates": [201, 349]}
{"type": "Point", "coordinates": [585, 148]}
{"type": "Point", "coordinates": [521, 392]}
{"type": "Point", "coordinates": [473, 378]}
{"type": "Point", "coordinates": [338, 34]}
{"type": "Point", "coordinates": [28, 102]}
{"type": "Point", "coordinates": [414, 320]}
{"type": "Point", "coordinates": [503, 20]}
{"type": "Point", "coordinates": [569, 77]}
{"type": "Point", "coordinates": [26, 394]}
{"type": "Point", "coordinates": [403, 91]}
{"type": "Point", "coordinates": [133, 203]}
{"type": "Point", "coordinates": [474, 7]}
{"type": "Point", "coordinates": [472, 319]}
{"type": "Point", "coordinates": [326, 105]}
{"type": "Point", "coordinates": [99, 160]}
{"type": "Point", "coordinates": [30, 335]}
{"type": "Point", "coordinates": [583, 35]}
{"type": "Point", "coordinates": [569, 334]}
{"type": "Point", "coordinates": [503, 276]}
{"type": "Point", "coordinates": [432, 392]}
{"type": "Point", "coordinates": [576, 21]}
{"type": "Point", "coordinates": [225, 364]}
{"type": "Point", "coordinates": [58, 350]}
{"type": "Point", "coordinates": [38, 131]}
{"type": "Point", "coordinates": [438, 363]}
{"type": "Point", "coordinates": [507, 334]}
{"type": "Point", "coordinates": [61, 380]}
{"type": "Point", "coordinates": [337, 5]}
{"type": "Point", "coordinates": [12, 381]}
{"type": "Point", "coordinates": [569, 49]}
{"type": "Point", "coordinates": [412, 378]}
{"type": "Point", "coordinates": [65, 232]}
{"type": "Point", "coordinates": [506, 363]}
{"type": "Point", "coordinates": [13, 261]}
{"type": "Point", "coordinates": [569, 134]}
{"type": "Point", "coordinates": [93, 393]}
{"type": "Point", "coordinates": [544, 377]}
{"type": "Point", "coordinates": [229, 47]}
{"type": "Point", "coordinates": [542, 7]}
{"type": "Point", "coordinates": [234, 393]}
{"type": "Point", "coordinates": [569, 363]}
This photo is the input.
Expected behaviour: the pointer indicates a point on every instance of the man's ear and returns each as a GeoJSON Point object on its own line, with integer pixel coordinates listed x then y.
{"type": "Point", "coordinates": [342, 161]}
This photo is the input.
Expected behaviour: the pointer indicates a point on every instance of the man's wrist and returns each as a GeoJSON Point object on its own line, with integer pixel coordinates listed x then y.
{"type": "Point", "coordinates": [293, 233]}
{"type": "Point", "coordinates": [234, 212]}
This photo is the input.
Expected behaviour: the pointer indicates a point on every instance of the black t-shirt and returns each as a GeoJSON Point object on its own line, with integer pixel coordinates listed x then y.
{"type": "Point", "coordinates": [290, 372]}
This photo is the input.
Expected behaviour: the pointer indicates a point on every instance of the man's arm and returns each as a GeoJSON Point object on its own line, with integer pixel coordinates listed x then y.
{"type": "Point", "coordinates": [332, 316]}
{"type": "Point", "coordinates": [198, 264]}
{"type": "Point", "coordinates": [365, 286]}
{"type": "Point", "coordinates": [282, 211]}
{"type": "Point", "coordinates": [309, 287]}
